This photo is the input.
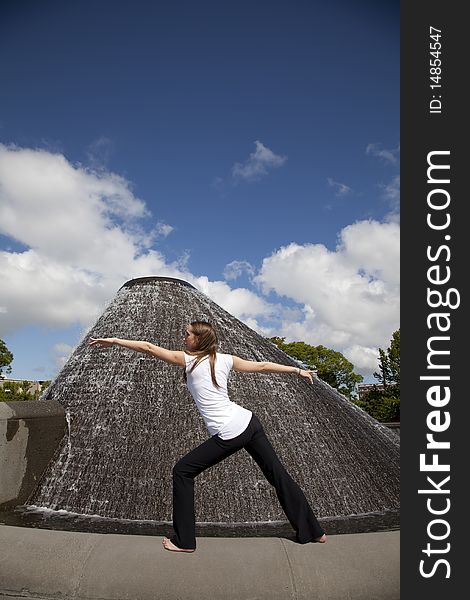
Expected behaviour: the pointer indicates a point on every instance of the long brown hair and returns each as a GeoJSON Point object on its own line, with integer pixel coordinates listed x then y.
{"type": "Point", "coordinates": [206, 346]}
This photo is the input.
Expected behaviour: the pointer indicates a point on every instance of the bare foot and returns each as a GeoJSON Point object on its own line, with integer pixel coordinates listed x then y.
{"type": "Point", "coordinates": [321, 539]}
{"type": "Point", "coordinates": [168, 545]}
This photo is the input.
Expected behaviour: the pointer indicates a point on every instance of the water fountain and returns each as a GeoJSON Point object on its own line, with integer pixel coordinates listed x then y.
{"type": "Point", "coordinates": [130, 418]}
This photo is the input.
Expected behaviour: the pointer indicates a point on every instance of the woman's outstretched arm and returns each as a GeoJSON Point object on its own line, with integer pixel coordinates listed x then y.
{"type": "Point", "coordinates": [251, 366]}
{"type": "Point", "coordinates": [173, 357]}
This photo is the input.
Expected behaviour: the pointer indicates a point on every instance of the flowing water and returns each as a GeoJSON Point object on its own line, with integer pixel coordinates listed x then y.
{"type": "Point", "coordinates": [130, 418]}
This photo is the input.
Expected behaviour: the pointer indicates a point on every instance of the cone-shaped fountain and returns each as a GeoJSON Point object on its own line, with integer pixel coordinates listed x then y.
{"type": "Point", "coordinates": [131, 418]}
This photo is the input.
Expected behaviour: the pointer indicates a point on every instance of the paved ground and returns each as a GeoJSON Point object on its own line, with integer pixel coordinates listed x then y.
{"type": "Point", "coordinates": [46, 564]}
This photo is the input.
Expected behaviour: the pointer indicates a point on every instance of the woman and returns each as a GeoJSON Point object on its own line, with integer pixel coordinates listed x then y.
{"type": "Point", "coordinates": [232, 428]}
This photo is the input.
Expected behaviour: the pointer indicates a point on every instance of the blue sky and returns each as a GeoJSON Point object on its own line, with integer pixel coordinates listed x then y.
{"type": "Point", "coordinates": [251, 148]}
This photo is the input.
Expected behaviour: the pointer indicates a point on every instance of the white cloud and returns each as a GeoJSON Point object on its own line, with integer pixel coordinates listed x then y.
{"type": "Point", "coordinates": [84, 238]}
{"type": "Point", "coordinates": [390, 190]}
{"type": "Point", "coordinates": [240, 302]}
{"type": "Point", "coordinates": [99, 151]}
{"type": "Point", "coordinates": [389, 156]}
{"type": "Point", "coordinates": [350, 296]}
{"type": "Point", "coordinates": [341, 189]}
{"type": "Point", "coordinates": [162, 230]}
{"type": "Point", "coordinates": [61, 353]}
{"type": "Point", "coordinates": [236, 268]}
{"type": "Point", "coordinates": [40, 290]}
{"type": "Point", "coordinates": [391, 193]}
{"type": "Point", "coordinates": [62, 348]}
{"type": "Point", "coordinates": [373, 248]}
{"type": "Point", "coordinates": [363, 358]}
{"type": "Point", "coordinates": [258, 164]}
{"type": "Point", "coordinates": [80, 231]}
{"type": "Point", "coordinates": [86, 233]}
{"type": "Point", "coordinates": [69, 213]}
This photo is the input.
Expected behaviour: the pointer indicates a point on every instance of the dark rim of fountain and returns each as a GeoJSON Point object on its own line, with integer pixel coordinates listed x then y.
{"type": "Point", "coordinates": [144, 280]}
{"type": "Point", "coordinates": [30, 516]}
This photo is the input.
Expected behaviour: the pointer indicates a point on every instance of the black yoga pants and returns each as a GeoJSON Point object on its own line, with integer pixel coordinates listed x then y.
{"type": "Point", "coordinates": [214, 450]}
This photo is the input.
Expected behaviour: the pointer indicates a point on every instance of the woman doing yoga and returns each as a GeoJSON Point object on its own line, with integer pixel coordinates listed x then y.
{"type": "Point", "coordinates": [231, 426]}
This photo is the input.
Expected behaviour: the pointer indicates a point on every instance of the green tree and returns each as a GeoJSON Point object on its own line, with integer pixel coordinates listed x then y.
{"type": "Point", "coordinates": [14, 391]}
{"type": "Point", "coordinates": [389, 363]}
{"type": "Point", "coordinates": [384, 404]}
{"type": "Point", "coordinates": [331, 366]}
{"type": "Point", "coordinates": [6, 358]}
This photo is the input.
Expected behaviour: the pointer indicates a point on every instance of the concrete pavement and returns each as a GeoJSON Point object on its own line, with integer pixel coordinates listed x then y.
{"type": "Point", "coordinates": [46, 564]}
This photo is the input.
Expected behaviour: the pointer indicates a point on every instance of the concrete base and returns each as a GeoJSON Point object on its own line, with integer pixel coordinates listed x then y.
{"type": "Point", "coordinates": [39, 563]}
{"type": "Point", "coordinates": [30, 432]}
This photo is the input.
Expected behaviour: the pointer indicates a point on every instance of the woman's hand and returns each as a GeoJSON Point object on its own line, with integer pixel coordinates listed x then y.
{"type": "Point", "coordinates": [307, 374]}
{"type": "Point", "coordinates": [102, 342]}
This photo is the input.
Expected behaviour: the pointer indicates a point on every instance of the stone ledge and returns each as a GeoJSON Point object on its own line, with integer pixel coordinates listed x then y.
{"type": "Point", "coordinates": [30, 432]}
{"type": "Point", "coordinates": [31, 409]}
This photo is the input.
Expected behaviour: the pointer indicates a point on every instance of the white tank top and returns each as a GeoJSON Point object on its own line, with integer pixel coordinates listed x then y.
{"type": "Point", "coordinates": [221, 416]}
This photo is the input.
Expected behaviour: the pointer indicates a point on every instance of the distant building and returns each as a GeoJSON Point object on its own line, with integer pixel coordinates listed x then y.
{"type": "Point", "coordinates": [363, 388]}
